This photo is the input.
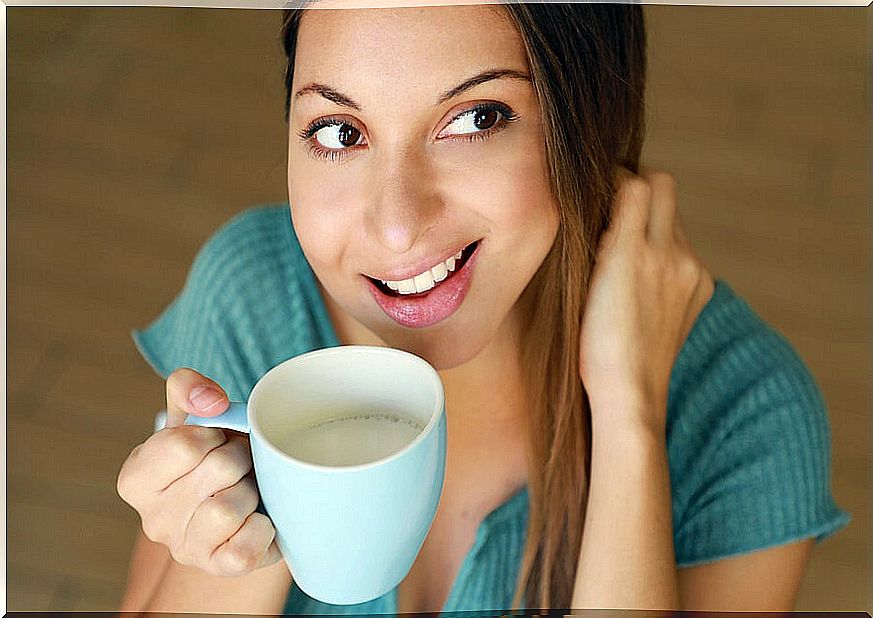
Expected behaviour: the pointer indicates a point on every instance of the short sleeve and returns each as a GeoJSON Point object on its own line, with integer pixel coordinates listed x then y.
{"type": "Point", "coordinates": [753, 468]}
{"type": "Point", "coordinates": [249, 302]}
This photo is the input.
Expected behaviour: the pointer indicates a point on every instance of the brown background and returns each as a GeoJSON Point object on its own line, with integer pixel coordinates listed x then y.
{"type": "Point", "coordinates": [134, 133]}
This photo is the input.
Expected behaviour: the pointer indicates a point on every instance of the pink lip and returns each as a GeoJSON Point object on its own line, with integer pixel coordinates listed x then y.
{"type": "Point", "coordinates": [431, 307]}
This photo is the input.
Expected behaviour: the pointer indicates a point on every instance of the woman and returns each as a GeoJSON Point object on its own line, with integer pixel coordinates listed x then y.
{"type": "Point", "coordinates": [623, 431]}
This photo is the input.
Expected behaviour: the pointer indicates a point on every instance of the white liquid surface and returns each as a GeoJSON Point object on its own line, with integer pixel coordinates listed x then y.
{"type": "Point", "coordinates": [350, 441]}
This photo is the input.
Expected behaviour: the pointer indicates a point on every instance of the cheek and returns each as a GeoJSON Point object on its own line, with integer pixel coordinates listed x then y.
{"type": "Point", "coordinates": [519, 200]}
{"type": "Point", "coordinates": [511, 182]}
{"type": "Point", "coordinates": [321, 215]}
{"type": "Point", "coordinates": [323, 193]}
{"type": "Point", "coordinates": [528, 204]}
{"type": "Point", "coordinates": [535, 206]}
{"type": "Point", "coordinates": [320, 238]}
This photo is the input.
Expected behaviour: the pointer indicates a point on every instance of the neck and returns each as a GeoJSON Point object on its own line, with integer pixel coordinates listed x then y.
{"type": "Point", "coordinates": [485, 396]}
{"type": "Point", "coordinates": [487, 424]}
{"type": "Point", "coordinates": [489, 388]}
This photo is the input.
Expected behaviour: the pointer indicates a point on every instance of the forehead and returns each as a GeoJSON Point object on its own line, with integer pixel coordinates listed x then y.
{"type": "Point", "coordinates": [365, 47]}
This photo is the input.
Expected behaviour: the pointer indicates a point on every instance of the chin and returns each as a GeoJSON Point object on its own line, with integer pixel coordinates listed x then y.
{"type": "Point", "coordinates": [442, 350]}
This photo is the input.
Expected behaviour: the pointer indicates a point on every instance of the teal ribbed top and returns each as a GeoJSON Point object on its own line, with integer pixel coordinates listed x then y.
{"type": "Point", "coordinates": [747, 431]}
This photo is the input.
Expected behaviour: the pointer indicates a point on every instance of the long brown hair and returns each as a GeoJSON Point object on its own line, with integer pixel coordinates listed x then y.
{"type": "Point", "coordinates": [588, 66]}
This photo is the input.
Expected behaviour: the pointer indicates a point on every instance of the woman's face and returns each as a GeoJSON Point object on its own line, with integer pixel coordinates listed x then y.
{"type": "Point", "coordinates": [415, 134]}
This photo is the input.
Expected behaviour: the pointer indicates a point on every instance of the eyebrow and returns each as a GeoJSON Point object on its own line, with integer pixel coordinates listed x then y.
{"type": "Point", "coordinates": [339, 98]}
{"type": "Point", "coordinates": [328, 93]}
{"type": "Point", "coordinates": [481, 78]}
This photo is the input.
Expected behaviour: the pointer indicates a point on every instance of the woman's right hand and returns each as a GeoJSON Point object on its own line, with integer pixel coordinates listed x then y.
{"type": "Point", "coordinates": [194, 487]}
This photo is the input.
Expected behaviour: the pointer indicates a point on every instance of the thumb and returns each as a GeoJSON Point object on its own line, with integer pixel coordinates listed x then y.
{"type": "Point", "coordinates": [189, 392]}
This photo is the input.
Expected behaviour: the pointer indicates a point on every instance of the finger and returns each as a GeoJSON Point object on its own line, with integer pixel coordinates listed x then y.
{"type": "Point", "coordinates": [252, 547]}
{"type": "Point", "coordinates": [166, 456]}
{"type": "Point", "coordinates": [220, 468]}
{"type": "Point", "coordinates": [630, 209]}
{"type": "Point", "coordinates": [189, 392]}
{"type": "Point", "coordinates": [219, 517]}
{"type": "Point", "coordinates": [662, 214]}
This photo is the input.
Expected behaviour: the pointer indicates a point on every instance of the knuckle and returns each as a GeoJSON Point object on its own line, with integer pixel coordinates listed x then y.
{"type": "Point", "coordinates": [173, 381]}
{"type": "Point", "coordinates": [129, 484]}
{"type": "Point", "coordinates": [638, 188]}
{"type": "Point", "coordinates": [122, 482]}
{"type": "Point", "coordinates": [225, 465]}
{"type": "Point", "coordinates": [690, 271]}
{"type": "Point", "coordinates": [184, 446]}
{"type": "Point", "coordinates": [237, 560]}
{"type": "Point", "coordinates": [222, 512]}
{"type": "Point", "coordinates": [154, 531]}
{"type": "Point", "coordinates": [229, 463]}
{"type": "Point", "coordinates": [176, 386]}
{"type": "Point", "coordinates": [123, 487]}
{"type": "Point", "coordinates": [179, 374]}
{"type": "Point", "coordinates": [190, 443]}
{"type": "Point", "coordinates": [134, 453]}
{"type": "Point", "coordinates": [263, 525]}
{"type": "Point", "coordinates": [249, 489]}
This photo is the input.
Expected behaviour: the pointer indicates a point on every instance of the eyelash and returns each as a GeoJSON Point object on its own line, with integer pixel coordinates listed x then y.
{"type": "Point", "coordinates": [306, 135]}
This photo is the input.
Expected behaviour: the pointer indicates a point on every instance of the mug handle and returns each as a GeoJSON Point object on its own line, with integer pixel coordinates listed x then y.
{"type": "Point", "coordinates": [234, 418]}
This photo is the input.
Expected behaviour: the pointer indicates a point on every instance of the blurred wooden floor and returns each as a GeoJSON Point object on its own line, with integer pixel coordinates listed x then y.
{"type": "Point", "coordinates": [133, 133]}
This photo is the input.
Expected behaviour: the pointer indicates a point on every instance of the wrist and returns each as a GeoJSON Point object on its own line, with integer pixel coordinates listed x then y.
{"type": "Point", "coordinates": [621, 394]}
{"type": "Point", "coordinates": [633, 454]}
{"type": "Point", "coordinates": [627, 415]}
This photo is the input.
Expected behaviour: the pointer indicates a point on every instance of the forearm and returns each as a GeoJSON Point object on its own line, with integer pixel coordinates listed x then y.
{"type": "Point", "coordinates": [157, 583]}
{"type": "Point", "coordinates": [627, 559]}
{"type": "Point", "coordinates": [188, 589]}
{"type": "Point", "coordinates": [148, 564]}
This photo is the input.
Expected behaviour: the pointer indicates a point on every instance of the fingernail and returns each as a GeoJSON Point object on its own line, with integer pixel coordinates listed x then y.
{"type": "Point", "coordinates": [205, 398]}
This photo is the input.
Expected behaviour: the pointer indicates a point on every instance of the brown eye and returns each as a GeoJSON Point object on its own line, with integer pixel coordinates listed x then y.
{"type": "Point", "coordinates": [480, 122]}
{"type": "Point", "coordinates": [348, 135]}
{"type": "Point", "coordinates": [485, 119]}
{"type": "Point", "coordinates": [337, 135]}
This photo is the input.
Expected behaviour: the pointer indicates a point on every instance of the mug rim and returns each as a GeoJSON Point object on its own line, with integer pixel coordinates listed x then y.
{"type": "Point", "coordinates": [435, 414]}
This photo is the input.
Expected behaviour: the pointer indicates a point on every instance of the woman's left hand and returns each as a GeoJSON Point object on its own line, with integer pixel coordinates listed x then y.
{"type": "Point", "coordinates": [646, 291]}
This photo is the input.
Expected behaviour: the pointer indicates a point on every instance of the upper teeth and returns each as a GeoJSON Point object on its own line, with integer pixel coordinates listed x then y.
{"type": "Point", "coordinates": [427, 279]}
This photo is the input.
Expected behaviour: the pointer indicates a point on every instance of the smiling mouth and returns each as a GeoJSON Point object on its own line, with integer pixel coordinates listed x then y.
{"type": "Point", "coordinates": [465, 255]}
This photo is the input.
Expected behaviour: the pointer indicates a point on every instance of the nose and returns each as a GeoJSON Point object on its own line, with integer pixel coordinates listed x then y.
{"type": "Point", "coordinates": [406, 202]}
